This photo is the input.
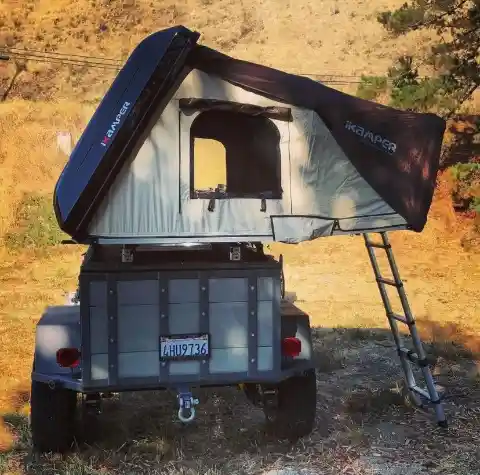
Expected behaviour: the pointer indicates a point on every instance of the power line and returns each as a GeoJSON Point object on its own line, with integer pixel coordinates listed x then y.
{"type": "Point", "coordinates": [119, 62]}
{"type": "Point", "coordinates": [68, 62]}
{"type": "Point", "coordinates": [60, 55]}
{"type": "Point", "coordinates": [47, 57]}
{"type": "Point", "coordinates": [328, 79]}
{"type": "Point", "coordinates": [116, 64]}
{"type": "Point", "coordinates": [97, 62]}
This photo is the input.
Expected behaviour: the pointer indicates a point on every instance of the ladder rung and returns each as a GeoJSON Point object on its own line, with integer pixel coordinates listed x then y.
{"type": "Point", "coordinates": [379, 245]}
{"type": "Point", "coordinates": [412, 356]}
{"type": "Point", "coordinates": [391, 282]}
{"type": "Point", "coordinates": [421, 392]}
{"type": "Point", "coordinates": [401, 318]}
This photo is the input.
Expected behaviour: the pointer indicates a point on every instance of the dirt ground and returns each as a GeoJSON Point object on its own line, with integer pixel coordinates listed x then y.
{"type": "Point", "coordinates": [364, 425]}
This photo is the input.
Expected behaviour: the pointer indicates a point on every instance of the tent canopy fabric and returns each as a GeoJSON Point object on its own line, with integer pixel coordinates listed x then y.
{"type": "Point", "coordinates": [299, 160]}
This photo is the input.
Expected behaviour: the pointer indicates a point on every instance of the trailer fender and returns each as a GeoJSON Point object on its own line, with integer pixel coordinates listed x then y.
{"type": "Point", "coordinates": [59, 327]}
{"type": "Point", "coordinates": [297, 324]}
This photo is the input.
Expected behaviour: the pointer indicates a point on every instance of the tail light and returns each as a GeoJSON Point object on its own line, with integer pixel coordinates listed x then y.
{"type": "Point", "coordinates": [291, 346]}
{"type": "Point", "coordinates": [68, 357]}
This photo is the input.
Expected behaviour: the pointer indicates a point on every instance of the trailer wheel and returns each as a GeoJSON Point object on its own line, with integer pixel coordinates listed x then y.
{"type": "Point", "coordinates": [293, 417]}
{"type": "Point", "coordinates": [52, 417]}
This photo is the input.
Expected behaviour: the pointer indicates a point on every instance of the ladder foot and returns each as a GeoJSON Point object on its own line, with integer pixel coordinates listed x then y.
{"type": "Point", "coordinates": [443, 424]}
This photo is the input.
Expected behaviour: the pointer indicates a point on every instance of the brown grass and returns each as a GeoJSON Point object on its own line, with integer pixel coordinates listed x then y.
{"type": "Point", "coordinates": [340, 38]}
{"type": "Point", "coordinates": [29, 159]}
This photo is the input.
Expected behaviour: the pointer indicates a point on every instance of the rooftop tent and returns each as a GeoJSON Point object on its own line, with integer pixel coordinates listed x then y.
{"type": "Point", "coordinates": [192, 145]}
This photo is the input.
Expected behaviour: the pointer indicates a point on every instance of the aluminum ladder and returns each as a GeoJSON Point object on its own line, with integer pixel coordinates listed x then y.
{"type": "Point", "coordinates": [407, 356]}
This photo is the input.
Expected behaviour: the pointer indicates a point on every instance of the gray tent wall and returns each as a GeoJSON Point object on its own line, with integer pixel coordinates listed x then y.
{"type": "Point", "coordinates": [323, 193]}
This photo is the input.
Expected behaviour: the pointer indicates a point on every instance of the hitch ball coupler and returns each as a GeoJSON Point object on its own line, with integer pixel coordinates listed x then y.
{"type": "Point", "coordinates": [186, 411]}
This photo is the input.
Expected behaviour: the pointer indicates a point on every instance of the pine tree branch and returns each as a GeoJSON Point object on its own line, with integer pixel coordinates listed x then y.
{"type": "Point", "coordinates": [464, 97]}
{"type": "Point", "coordinates": [437, 18]}
{"type": "Point", "coordinates": [457, 57]}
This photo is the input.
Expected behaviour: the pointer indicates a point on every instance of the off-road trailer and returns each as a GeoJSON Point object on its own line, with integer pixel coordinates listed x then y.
{"type": "Point", "coordinates": [175, 290]}
{"type": "Point", "coordinates": [174, 318]}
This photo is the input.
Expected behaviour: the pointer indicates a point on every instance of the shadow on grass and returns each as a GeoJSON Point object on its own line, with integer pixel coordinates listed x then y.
{"type": "Point", "coordinates": [358, 377]}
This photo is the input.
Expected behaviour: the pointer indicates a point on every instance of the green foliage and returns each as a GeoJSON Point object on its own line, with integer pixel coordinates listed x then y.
{"type": "Point", "coordinates": [403, 73]}
{"type": "Point", "coordinates": [475, 204]}
{"type": "Point", "coordinates": [36, 224]}
{"type": "Point", "coordinates": [411, 92]}
{"type": "Point", "coordinates": [371, 86]}
{"type": "Point", "coordinates": [426, 94]}
{"type": "Point", "coordinates": [401, 20]}
{"type": "Point", "coordinates": [467, 185]}
{"type": "Point", "coordinates": [4, 456]}
{"type": "Point", "coordinates": [456, 59]}
{"type": "Point", "coordinates": [407, 90]}
{"type": "Point", "coordinates": [462, 171]}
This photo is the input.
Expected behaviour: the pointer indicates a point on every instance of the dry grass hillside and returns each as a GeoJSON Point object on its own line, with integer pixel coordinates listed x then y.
{"type": "Point", "coordinates": [338, 38]}
{"type": "Point", "coordinates": [364, 428]}
{"type": "Point", "coordinates": [29, 160]}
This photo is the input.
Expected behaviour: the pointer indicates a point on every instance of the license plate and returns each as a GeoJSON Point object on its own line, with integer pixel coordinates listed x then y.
{"type": "Point", "coordinates": [188, 347]}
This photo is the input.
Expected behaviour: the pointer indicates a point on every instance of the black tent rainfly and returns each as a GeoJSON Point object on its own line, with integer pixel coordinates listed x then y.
{"type": "Point", "coordinates": [302, 160]}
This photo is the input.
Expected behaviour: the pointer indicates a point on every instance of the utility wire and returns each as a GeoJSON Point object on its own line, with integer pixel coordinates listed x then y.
{"type": "Point", "coordinates": [60, 55]}
{"type": "Point", "coordinates": [329, 79]}
{"type": "Point", "coordinates": [119, 62]}
{"type": "Point", "coordinates": [55, 58]}
{"type": "Point", "coordinates": [70, 62]}
{"type": "Point", "coordinates": [113, 64]}
{"type": "Point", "coordinates": [116, 64]}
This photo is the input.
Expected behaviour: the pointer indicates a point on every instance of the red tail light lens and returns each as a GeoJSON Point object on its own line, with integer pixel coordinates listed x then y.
{"type": "Point", "coordinates": [68, 357]}
{"type": "Point", "coordinates": [291, 346]}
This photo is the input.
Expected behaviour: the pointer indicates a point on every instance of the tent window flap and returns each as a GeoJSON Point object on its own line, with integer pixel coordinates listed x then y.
{"type": "Point", "coordinates": [190, 105]}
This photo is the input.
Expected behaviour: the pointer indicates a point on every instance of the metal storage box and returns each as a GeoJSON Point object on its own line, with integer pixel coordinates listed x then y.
{"type": "Point", "coordinates": [126, 310]}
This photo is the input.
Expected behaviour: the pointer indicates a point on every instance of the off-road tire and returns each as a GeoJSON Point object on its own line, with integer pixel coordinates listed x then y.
{"type": "Point", "coordinates": [52, 417]}
{"type": "Point", "coordinates": [293, 417]}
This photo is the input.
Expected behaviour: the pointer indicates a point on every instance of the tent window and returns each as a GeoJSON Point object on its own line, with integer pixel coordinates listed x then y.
{"type": "Point", "coordinates": [210, 164]}
{"type": "Point", "coordinates": [234, 155]}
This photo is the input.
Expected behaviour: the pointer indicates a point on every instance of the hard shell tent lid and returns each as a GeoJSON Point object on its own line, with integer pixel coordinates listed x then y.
{"type": "Point", "coordinates": [395, 152]}
{"type": "Point", "coordinates": [120, 124]}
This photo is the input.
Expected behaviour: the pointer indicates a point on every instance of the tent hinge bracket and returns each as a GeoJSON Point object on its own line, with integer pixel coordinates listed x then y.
{"type": "Point", "coordinates": [263, 206]}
